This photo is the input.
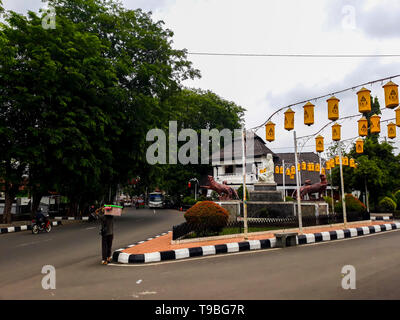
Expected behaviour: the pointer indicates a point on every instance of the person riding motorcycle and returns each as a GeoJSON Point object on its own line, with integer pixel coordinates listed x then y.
{"type": "Point", "coordinates": [40, 217]}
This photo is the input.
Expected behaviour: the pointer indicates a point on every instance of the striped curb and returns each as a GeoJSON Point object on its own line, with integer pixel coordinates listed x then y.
{"type": "Point", "coordinates": [118, 255]}
{"type": "Point", "coordinates": [24, 227]}
{"type": "Point", "coordinates": [381, 218]}
{"type": "Point", "coordinates": [249, 245]}
{"type": "Point", "coordinates": [72, 218]}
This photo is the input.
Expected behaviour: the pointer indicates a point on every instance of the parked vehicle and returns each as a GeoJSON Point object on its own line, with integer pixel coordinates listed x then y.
{"type": "Point", "coordinates": [156, 200]}
{"type": "Point", "coordinates": [139, 203]}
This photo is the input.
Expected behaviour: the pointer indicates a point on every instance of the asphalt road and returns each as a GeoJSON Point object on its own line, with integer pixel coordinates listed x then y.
{"type": "Point", "coordinates": [304, 272]}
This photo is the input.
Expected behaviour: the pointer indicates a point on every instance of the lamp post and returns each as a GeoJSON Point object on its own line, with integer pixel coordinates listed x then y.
{"type": "Point", "coordinates": [342, 186]}
{"type": "Point", "coordinates": [297, 184]}
{"type": "Point", "coordinates": [244, 182]}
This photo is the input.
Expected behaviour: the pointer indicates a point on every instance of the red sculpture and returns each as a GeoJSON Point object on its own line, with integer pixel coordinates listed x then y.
{"type": "Point", "coordinates": [309, 189]}
{"type": "Point", "coordinates": [225, 192]}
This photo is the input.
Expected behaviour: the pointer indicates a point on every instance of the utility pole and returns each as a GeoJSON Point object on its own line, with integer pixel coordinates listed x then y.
{"type": "Point", "coordinates": [342, 185]}
{"type": "Point", "coordinates": [297, 184]}
{"type": "Point", "coordinates": [244, 183]}
{"type": "Point", "coordinates": [283, 177]}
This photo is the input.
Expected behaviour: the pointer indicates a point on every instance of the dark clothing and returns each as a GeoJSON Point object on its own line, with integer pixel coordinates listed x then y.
{"type": "Point", "coordinates": [106, 245]}
{"type": "Point", "coordinates": [107, 225]}
{"type": "Point", "coordinates": [40, 218]}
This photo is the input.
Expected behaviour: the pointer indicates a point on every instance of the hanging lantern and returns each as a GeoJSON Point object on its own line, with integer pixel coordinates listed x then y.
{"type": "Point", "coordinates": [375, 124]}
{"type": "Point", "coordinates": [323, 171]}
{"type": "Point", "coordinates": [397, 117]}
{"type": "Point", "coordinates": [391, 95]}
{"type": "Point", "coordinates": [319, 142]}
{"type": "Point", "coordinates": [363, 127]}
{"type": "Point", "coordinates": [292, 170]}
{"type": "Point", "coordinates": [359, 146]}
{"type": "Point", "coordinates": [289, 119]}
{"type": "Point", "coordinates": [332, 163]}
{"type": "Point", "coordinates": [270, 131]}
{"type": "Point", "coordinates": [288, 172]}
{"type": "Point", "coordinates": [333, 108]}
{"type": "Point", "coordinates": [303, 166]}
{"type": "Point", "coordinates": [281, 170]}
{"type": "Point", "coordinates": [391, 130]}
{"type": "Point", "coordinates": [277, 169]}
{"type": "Point", "coordinates": [317, 167]}
{"type": "Point", "coordinates": [308, 114]}
{"type": "Point", "coordinates": [364, 100]}
{"type": "Point", "coordinates": [328, 165]}
{"type": "Point", "coordinates": [337, 160]}
{"type": "Point", "coordinates": [336, 132]}
{"type": "Point", "coordinates": [298, 167]}
{"type": "Point", "coordinates": [345, 161]}
{"type": "Point", "coordinates": [352, 162]}
{"type": "Point", "coordinates": [356, 165]}
{"type": "Point", "coordinates": [292, 176]}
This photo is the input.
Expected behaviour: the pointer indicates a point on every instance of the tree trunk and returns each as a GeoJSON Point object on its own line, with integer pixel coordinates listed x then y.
{"type": "Point", "coordinates": [10, 194]}
{"type": "Point", "coordinates": [37, 196]}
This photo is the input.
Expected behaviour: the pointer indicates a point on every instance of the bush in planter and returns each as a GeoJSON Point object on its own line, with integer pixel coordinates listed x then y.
{"type": "Point", "coordinates": [207, 217]}
{"type": "Point", "coordinates": [240, 193]}
{"type": "Point", "coordinates": [328, 200]}
{"type": "Point", "coordinates": [189, 201]}
{"type": "Point", "coordinates": [288, 198]}
{"type": "Point", "coordinates": [352, 205]}
{"type": "Point", "coordinates": [387, 205]}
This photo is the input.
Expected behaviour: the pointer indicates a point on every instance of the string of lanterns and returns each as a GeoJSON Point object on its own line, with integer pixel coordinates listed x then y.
{"type": "Point", "coordinates": [364, 106]}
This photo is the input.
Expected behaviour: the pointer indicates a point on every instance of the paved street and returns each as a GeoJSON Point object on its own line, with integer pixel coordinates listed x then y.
{"type": "Point", "coordinates": [306, 272]}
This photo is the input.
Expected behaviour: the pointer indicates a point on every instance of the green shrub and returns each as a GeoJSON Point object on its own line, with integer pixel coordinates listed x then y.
{"type": "Point", "coordinates": [288, 198]}
{"type": "Point", "coordinates": [352, 204]}
{"type": "Point", "coordinates": [240, 193]}
{"type": "Point", "coordinates": [207, 217]}
{"type": "Point", "coordinates": [328, 200]}
{"type": "Point", "coordinates": [397, 197]}
{"type": "Point", "coordinates": [189, 201]}
{"type": "Point", "coordinates": [387, 205]}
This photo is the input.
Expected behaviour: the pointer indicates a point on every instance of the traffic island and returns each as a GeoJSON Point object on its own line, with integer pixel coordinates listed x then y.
{"type": "Point", "coordinates": [162, 248]}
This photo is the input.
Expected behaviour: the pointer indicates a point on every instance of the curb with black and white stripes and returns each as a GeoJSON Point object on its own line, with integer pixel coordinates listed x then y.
{"type": "Point", "coordinates": [380, 218]}
{"type": "Point", "coordinates": [24, 227]}
{"type": "Point", "coordinates": [125, 258]}
{"type": "Point", "coordinates": [119, 256]}
{"type": "Point", "coordinates": [72, 218]}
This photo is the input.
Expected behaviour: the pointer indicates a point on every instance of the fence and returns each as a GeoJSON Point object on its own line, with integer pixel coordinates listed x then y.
{"type": "Point", "coordinates": [185, 229]}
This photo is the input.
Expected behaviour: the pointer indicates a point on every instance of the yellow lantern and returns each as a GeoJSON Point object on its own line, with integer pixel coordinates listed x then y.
{"type": "Point", "coordinates": [328, 165]}
{"type": "Point", "coordinates": [298, 167]}
{"type": "Point", "coordinates": [333, 108]}
{"type": "Point", "coordinates": [364, 100]}
{"type": "Point", "coordinates": [336, 132]}
{"type": "Point", "coordinates": [332, 163]}
{"type": "Point", "coordinates": [317, 168]}
{"type": "Point", "coordinates": [352, 163]}
{"type": "Point", "coordinates": [292, 170]}
{"type": "Point", "coordinates": [337, 160]}
{"type": "Point", "coordinates": [292, 177]}
{"type": "Point", "coordinates": [391, 95]}
{"type": "Point", "coordinates": [323, 171]}
{"type": "Point", "coordinates": [375, 124]}
{"type": "Point", "coordinates": [308, 114]}
{"type": "Point", "coordinates": [303, 166]}
{"type": "Point", "coordinates": [391, 130]}
{"type": "Point", "coordinates": [363, 127]}
{"type": "Point", "coordinates": [359, 146]}
{"type": "Point", "coordinates": [281, 170]}
{"type": "Point", "coordinates": [397, 117]}
{"type": "Point", "coordinates": [277, 169]}
{"type": "Point", "coordinates": [270, 131]}
{"type": "Point", "coordinates": [345, 161]}
{"type": "Point", "coordinates": [288, 172]}
{"type": "Point", "coordinates": [319, 142]}
{"type": "Point", "coordinates": [289, 119]}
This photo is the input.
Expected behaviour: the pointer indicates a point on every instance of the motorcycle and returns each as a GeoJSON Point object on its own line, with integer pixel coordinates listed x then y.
{"type": "Point", "coordinates": [44, 226]}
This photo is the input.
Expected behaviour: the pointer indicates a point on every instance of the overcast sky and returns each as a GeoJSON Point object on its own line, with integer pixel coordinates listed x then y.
{"type": "Point", "coordinates": [265, 84]}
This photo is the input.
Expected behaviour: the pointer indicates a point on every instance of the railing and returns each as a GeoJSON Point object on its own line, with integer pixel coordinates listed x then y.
{"type": "Point", "coordinates": [184, 230]}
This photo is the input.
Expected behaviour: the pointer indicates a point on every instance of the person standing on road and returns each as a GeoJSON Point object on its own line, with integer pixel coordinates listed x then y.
{"type": "Point", "coordinates": [107, 235]}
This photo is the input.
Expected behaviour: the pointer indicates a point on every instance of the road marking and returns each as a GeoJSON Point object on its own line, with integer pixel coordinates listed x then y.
{"type": "Point", "coordinates": [90, 228]}
{"type": "Point", "coordinates": [242, 252]}
{"type": "Point", "coordinates": [31, 243]}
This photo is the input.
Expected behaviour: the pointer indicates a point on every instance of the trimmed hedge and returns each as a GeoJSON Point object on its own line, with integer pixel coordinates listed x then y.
{"type": "Point", "coordinates": [387, 205]}
{"type": "Point", "coordinates": [352, 204]}
{"type": "Point", "coordinates": [207, 217]}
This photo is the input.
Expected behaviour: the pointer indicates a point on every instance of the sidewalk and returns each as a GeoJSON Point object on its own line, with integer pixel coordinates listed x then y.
{"type": "Point", "coordinates": [162, 247]}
